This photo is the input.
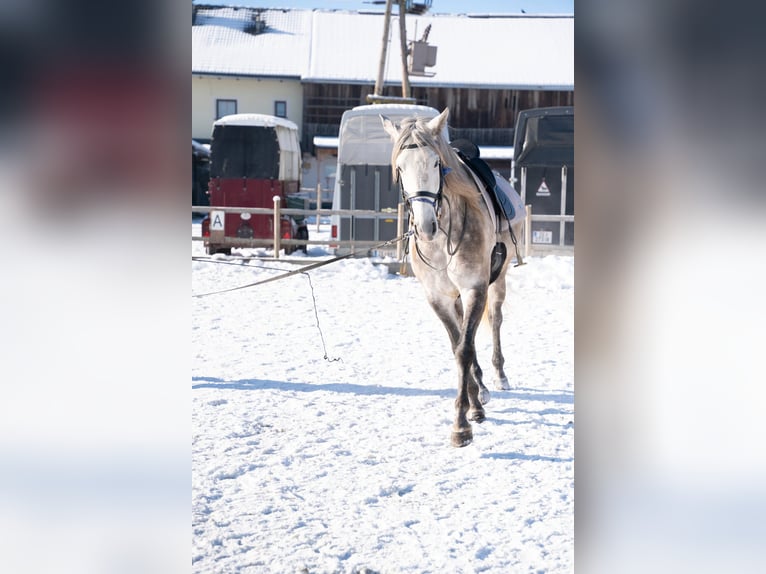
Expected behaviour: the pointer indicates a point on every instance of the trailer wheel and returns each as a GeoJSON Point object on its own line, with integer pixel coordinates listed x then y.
{"type": "Point", "coordinates": [303, 234]}
{"type": "Point", "coordinates": [213, 249]}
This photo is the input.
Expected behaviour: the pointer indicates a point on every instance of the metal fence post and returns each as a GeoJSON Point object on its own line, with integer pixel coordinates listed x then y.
{"type": "Point", "coordinates": [563, 203]}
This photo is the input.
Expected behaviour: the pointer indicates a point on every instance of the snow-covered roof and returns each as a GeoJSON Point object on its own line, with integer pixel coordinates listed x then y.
{"type": "Point", "coordinates": [518, 52]}
{"type": "Point", "coordinates": [523, 52]}
{"type": "Point", "coordinates": [255, 120]}
{"type": "Point", "coordinates": [221, 44]}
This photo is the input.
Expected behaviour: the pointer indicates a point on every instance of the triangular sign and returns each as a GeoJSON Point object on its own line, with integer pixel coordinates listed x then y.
{"type": "Point", "coordinates": [543, 189]}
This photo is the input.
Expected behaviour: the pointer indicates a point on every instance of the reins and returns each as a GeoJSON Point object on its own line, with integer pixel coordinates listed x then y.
{"type": "Point", "coordinates": [297, 271]}
{"type": "Point", "coordinates": [448, 233]}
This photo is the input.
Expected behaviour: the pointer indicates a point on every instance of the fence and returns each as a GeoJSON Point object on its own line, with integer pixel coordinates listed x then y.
{"type": "Point", "coordinates": [277, 242]}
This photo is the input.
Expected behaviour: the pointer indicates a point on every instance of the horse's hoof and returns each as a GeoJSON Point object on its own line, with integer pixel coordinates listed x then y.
{"type": "Point", "coordinates": [502, 384]}
{"type": "Point", "coordinates": [462, 438]}
{"type": "Point", "coordinates": [484, 396]}
{"type": "Point", "coordinates": [477, 415]}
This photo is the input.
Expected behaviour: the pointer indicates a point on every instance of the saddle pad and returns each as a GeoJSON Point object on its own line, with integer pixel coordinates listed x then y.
{"type": "Point", "coordinates": [509, 200]}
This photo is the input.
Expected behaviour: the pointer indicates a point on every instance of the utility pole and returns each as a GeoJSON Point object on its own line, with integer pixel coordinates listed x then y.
{"type": "Point", "coordinates": [383, 51]}
{"type": "Point", "coordinates": [377, 97]}
{"type": "Point", "coordinates": [403, 50]}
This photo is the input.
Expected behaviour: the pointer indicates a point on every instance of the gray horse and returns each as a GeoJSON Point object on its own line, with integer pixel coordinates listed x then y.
{"type": "Point", "coordinates": [455, 232]}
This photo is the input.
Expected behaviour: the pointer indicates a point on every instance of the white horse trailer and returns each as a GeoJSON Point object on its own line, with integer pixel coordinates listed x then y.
{"type": "Point", "coordinates": [363, 180]}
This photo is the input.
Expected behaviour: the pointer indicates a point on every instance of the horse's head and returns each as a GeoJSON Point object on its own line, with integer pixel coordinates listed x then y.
{"type": "Point", "coordinates": [417, 165]}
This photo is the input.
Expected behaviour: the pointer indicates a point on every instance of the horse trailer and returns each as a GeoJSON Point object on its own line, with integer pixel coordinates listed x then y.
{"type": "Point", "coordinates": [253, 157]}
{"type": "Point", "coordinates": [363, 180]}
{"type": "Point", "coordinates": [543, 170]}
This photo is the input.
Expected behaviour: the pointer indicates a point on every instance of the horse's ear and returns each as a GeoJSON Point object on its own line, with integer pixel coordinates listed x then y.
{"type": "Point", "coordinates": [436, 124]}
{"type": "Point", "coordinates": [390, 128]}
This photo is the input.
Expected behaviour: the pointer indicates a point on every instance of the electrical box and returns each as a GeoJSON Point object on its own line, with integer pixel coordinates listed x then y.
{"type": "Point", "coordinates": [421, 55]}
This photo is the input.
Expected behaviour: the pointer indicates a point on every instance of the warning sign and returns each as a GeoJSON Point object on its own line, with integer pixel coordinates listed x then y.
{"type": "Point", "coordinates": [543, 190]}
{"type": "Point", "coordinates": [542, 236]}
{"type": "Point", "coordinates": [216, 221]}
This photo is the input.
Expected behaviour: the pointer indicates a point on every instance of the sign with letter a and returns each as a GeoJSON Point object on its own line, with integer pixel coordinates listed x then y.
{"type": "Point", "coordinates": [216, 221]}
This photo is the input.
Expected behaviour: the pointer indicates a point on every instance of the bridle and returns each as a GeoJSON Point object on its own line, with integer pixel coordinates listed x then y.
{"type": "Point", "coordinates": [435, 199]}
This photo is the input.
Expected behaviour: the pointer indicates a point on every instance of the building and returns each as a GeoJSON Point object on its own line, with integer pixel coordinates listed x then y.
{"type": "Point", "coordinates": [310, 66]}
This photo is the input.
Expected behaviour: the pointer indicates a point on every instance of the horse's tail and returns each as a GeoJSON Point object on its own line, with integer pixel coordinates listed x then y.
{"type": "Point", "coordinates": [485, 314]}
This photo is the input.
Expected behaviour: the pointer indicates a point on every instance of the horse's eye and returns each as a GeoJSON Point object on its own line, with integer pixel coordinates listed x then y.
{"type": "Point", "coordinates": [436, 163]}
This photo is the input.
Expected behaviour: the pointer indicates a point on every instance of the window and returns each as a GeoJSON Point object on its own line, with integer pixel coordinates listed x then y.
{"type": "Point", "coordinates": [225, 108]}
{"type": "Point", "coordinates": [280, 109]}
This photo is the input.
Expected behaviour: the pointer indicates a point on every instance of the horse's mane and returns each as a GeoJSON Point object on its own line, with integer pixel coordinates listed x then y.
{"type": "Point", "coordinates": [457, 181]}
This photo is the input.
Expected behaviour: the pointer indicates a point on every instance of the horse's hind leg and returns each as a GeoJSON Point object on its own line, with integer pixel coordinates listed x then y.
{"type": "Point", "coordinates": [478, 375]}
{"type": "Point", "coordinates": [496, 297]}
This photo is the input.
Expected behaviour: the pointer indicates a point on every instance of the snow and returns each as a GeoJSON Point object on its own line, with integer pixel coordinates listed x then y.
{"type": "Point", "coordinates": [321, 416]}
{"type": "Point", "coordinates": [305, 44]}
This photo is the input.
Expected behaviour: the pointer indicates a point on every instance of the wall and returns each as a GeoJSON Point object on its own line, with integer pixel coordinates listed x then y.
{"type": "Point", "coordinates": [485, 116]}
{"type": "Point", "coordinates": [253, 95]}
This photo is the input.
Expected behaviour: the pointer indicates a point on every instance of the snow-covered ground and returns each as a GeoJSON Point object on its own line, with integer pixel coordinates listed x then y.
{"type": "Point", "coordinates": [321, 415]}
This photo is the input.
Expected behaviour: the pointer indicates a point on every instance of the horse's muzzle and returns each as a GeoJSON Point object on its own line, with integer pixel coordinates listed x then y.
{"type": "Point", "coordinates": [426, 232]}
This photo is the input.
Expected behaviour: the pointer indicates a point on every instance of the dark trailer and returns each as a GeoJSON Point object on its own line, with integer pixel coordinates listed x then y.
{"type": "Point", "coordinates": [254, 157]}
{"type": "Point", "coordinates": [543, 171]}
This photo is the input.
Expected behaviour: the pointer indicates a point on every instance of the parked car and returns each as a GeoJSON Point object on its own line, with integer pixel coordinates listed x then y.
{"type": "Point", "coordinates": [200, 173]}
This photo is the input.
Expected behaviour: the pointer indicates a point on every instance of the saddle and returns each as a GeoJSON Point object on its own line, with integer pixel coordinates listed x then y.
{"type": "Point", "coordinates": [503, 206]}
{"type": "Point", "coordinates": [469, 153]}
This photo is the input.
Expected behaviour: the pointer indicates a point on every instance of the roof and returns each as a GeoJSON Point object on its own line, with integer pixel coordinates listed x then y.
{"type": "Point", "coordinates": [255, 120]}
{"type": "Point", "coordinates": [221, 44]}
{"type": "Point", "coordinates": [344, 47]}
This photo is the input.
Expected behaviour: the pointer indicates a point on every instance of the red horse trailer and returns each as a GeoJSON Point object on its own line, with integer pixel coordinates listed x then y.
{"type": "Point", "coordinates": [253, 157]}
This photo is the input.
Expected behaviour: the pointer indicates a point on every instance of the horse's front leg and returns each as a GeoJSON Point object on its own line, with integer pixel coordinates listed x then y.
{"type": "Point", "coordinates": [467, 404]}
{"type": "Point", "coordinates": [476, 371]}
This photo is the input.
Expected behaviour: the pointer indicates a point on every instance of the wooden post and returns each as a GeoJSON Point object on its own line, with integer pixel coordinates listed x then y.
{"type": "Point", "coordinates": [403, 50]}
{"type": "Point", "coordinates": [523, 184]}
{"type": "Point", "coordinates": [400, 244]}
{"type": "Point", "coordinates": [319, 202]}
{"type": "Point", "coordinates": [277, 226]}
{"type": "Point", "coordinates": [383, 50]}
{"type": "Point", "coordinates": [527, 231]}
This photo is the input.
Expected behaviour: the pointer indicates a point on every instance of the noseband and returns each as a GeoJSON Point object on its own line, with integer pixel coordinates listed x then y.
{"type": "Point", "coordinates": [434, 199]}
